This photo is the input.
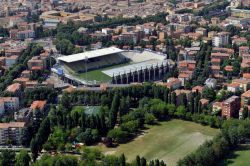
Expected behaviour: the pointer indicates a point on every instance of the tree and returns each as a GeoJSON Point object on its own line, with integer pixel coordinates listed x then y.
{"type": "Point", "coordinates": [180, 111]}
{"type": "Point", "coordinates": [66, 161]}
{"type": "Point", "coordinates": [122, 160]}
{"type": "Point", "coordinates": [7, 158]}
{"type": "Point", "coordinates": [173, 98]}
{"type": "Point", "coordinates": [138, 161]}
{"type": "Point", "coordinates": [208, 93]}
{"type": "Point", "coordinates": [143, 162]}
{"type": "Point", "coordinates": [118, 135]}
{"type": "Point", "coordinates": [113, 111]}
{"type": "Point", "coordinates": [89, 136]}
{"type": "Point", "coordinates": [22, 159]}
{"type": "Point", "coordinates": [245, 113]}
{"type": "Point", "coordinates": [34, 148]}
{"type": "Point", "coordinates": [65, 47]}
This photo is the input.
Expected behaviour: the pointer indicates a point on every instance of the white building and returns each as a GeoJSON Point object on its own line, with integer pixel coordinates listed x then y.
{"type": "Point", "coordinates": [221, 39]}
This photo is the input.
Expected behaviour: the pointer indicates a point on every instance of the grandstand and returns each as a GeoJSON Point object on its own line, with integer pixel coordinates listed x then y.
{"type": "Point", "coordinates": [114, 65]}
{"type": "Point", "coordinates": [91, 60]}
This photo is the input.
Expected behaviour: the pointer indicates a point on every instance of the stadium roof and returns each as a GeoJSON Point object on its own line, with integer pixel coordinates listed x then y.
{"type": "Point", "coordinates": [134, 67]}
{"type": "Point", "coordinates": [90, 54]}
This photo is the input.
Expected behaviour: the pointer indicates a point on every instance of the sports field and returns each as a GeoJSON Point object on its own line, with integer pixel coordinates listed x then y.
{"type": "Point", "coordinates": [98, 75]}
{"type": "Point", "coordinates": [240, 157]}
{"type": "Point", "coordinates": [168, 141]}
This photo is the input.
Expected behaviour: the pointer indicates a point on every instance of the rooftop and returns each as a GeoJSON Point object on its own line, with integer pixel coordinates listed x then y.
{"type": "Point", "coordinates": [90, 54]}
{"type": "Point", "coordinates": [12, 125]}
{"type": "Point", "coordinates": [38, 104]}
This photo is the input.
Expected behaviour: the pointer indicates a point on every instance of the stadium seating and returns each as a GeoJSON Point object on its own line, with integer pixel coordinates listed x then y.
{"type": "Point", "coordinates": [104, 61]}
{"type": "Point", "coordinates": [142, 56]}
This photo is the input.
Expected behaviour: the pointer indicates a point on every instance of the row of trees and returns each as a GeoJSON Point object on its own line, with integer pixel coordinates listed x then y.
{"type": "Point", "coordinates": [94, 157]}
{"type": "Point", "coordinates": [9, 158]}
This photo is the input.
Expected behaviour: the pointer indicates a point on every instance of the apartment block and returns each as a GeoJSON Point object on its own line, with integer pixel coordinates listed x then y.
{"type": "Point", "coordinates": [10, 103]}
{"type": "Point", "coordinates": [231, 107]}
{"type": "Point", "coordinates": [11, 133]}
{"type": "Point", "coordinates": [221, 39]}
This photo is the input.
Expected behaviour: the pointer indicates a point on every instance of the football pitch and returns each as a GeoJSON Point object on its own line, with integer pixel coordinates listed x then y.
{"type": "Point", "coordinates": [98, 75]}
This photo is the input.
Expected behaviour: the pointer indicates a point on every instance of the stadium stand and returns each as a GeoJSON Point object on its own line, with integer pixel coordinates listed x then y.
{"type": "Point", "coordinates": [144, 65]}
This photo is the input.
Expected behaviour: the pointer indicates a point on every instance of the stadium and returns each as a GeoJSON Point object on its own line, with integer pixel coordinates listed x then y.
{"type": "Point", "coordinates": [112, 65]}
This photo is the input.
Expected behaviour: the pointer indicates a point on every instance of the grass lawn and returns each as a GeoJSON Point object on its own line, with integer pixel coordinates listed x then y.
{"type": "Point", "coordinates": [98, 75]}
{"type": "Point", "coordinates": [240, 157]}
{"type": "Point", "coordinates": [168, 141]}
{"type": "Point", "coordinates": [90, 110]}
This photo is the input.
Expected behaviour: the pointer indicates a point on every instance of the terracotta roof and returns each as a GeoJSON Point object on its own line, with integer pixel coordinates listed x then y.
{"type": "Point", "coordinates": [181, 91]}
{"type": "Point", "coordinates": [243, 48]}
{"type": "Point", "coordinates": [197, 88]}
{"type": "Point", "coordinates": [8, 99]}
{"type": "Point", "coordinates": [204, 101]}
{"type": "Point", "coordinates": [21, 79]}
{"type": "Point", "coordinates": [12, 125]}
{"type": "Point", "coordinates": [246, 94]}
{"type": "Point", "coordinates": [216, 60]}
{"type": "Point", "coordinates": [228, 68]}
{"type": "Point", "coordinates": [38, 104]}
{"type": "Point", "coordinates": [241, 81]}
{"type": "Point", "coordinates": [36, 68]}
{"type": "Point", "coordinates": [246, 75]}
{"type": "Point", "coordinates": [234, 85]}
{"type": "Point", "coordinates": [13, 87]}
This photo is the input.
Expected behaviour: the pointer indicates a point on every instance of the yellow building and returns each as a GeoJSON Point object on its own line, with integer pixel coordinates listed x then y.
{"type": "Point", "coordinates": [240, 13]}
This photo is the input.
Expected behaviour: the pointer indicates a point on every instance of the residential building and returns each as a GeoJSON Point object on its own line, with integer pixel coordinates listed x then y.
{"type": "Point", "coordinates": [37, 62]}
{"type": "Point", "coordinates": [10, 103]}
{"type": "Point", "coordinates": [201, 31]}
{"type": "Point", "coordinates": [240, 13]}
{"type": "Point", "coordinates": [231, 107]}
{"type": "Point", "coordinates": [11, 133]}
{"type": "Point", "coordinates": [245, 98]}
{"type": "Point", "coordinates": [172, 83]}
{"type": "Point", "coordinates": [217, 107]}
{"type": "Point", "coordinates": [243, 50]}
{"type": "Point", "coordinates": [233, 87]}
{"type": "Point", "coordinates": [10, 61]}
{"type": "Point", "coordinates": [180, 92]}
{"type": "Point", "coordinates": [38, 105]}
{"type": "Point", "coordinates": [221, 39]}
{"type": "Point", "coordinates": [244, 84]}
{"type": "Point", "coordinates": [21, 35]}
{"type": "Point", "coordinates": [240, 40]}
{"type": "Point", "coordinates": [197, 89]}
{"type": "Point", "coordinates": [14, 88]}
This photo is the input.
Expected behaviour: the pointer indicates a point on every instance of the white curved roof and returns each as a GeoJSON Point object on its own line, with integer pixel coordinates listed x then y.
{"type": "Point", "coordinates": [90, 54]}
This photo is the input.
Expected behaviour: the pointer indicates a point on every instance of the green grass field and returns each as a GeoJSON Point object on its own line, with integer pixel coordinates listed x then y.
{"type": "Point", "coordinates": [90, 110]}
{"type": "Point", "coordinates": [98, 75]}
{"type": "Point", "coordinates": [240, 157]}
{"type": "Point", "coordinates": [168, 141]}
